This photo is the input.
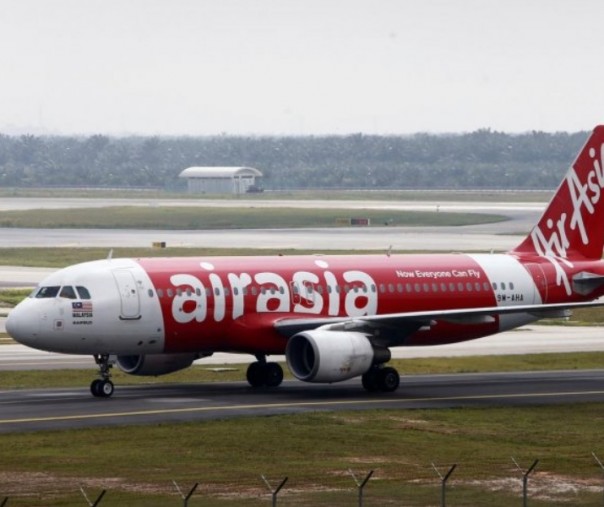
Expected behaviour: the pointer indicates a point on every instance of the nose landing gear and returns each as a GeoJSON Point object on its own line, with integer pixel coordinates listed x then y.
{"type": "Point", "coordinates": [102, 387]}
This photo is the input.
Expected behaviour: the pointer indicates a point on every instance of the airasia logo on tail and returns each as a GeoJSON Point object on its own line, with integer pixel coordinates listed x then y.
{"type": "Point", "coordinates": [584, 197]}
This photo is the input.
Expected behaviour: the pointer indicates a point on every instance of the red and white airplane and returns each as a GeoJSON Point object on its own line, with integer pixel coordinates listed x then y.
{"type": "Point", "coordinates": [334, 317]}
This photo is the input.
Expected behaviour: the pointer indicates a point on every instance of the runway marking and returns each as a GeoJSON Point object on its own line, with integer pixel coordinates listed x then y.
{"type": "Point", "coordinates": [290, 405]}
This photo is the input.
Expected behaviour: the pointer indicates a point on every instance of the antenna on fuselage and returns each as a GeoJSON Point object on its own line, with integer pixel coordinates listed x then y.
{"type": "Point", "coordinates": [389, 251]}
{"type": "Point", "coordinates": [110, 255]}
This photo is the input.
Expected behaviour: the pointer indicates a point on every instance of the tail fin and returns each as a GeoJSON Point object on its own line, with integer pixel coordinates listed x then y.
{"type": "Point", "coordinates": [573, 223]}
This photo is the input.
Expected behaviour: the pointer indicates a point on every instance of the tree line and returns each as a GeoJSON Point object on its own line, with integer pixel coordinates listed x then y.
{"type": "Point", "coordinates": [481, 159]}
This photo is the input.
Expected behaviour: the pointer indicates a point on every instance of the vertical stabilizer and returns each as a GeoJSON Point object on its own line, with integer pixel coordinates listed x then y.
{"type": "Point", "coordinates": [573, 223]}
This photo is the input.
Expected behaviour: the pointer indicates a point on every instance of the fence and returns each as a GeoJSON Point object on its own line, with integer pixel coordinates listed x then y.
{"type": "Point", "coordinates": [362, 489]}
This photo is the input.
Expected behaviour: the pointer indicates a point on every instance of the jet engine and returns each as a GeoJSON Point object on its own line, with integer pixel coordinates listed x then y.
{"type": "Point", "coordinates": [154, 364]}
{"type": "Point", "coordinates": [331, 356]}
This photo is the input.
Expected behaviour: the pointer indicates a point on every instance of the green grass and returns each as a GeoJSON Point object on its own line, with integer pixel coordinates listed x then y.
{"type": "Point", "coordinates": [136, 464]}
{"type": "Point", "coordinates": [65, 256]}
{"type": "Point", "coordinates": [335, 195]}
{"type": "Point", "coordinates": [185, 218]}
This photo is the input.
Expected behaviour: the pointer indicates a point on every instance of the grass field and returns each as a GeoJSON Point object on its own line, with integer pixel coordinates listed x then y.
{"type": "Point", "coordinates": [190, 218]}
{"type": "Point", "coordinates": [137, 463]}
{"type": "Point", "coordinates": [334, 195]}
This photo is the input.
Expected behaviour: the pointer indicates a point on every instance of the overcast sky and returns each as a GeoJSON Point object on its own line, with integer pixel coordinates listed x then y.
{"type": "Point", "coordinates": [172, 67]}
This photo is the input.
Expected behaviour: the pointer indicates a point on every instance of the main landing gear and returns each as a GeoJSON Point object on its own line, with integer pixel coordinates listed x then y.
{"type": "Point", "coordinates": [102, 387]}
{"type": "Point", "coordinates": [263, 374]}
{"type": "Point", "coordinates": [381, 378]}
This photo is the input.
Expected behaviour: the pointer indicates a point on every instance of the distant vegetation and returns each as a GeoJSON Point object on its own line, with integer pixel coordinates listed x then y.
{"type": "Point", "coordinates": [480, 160]}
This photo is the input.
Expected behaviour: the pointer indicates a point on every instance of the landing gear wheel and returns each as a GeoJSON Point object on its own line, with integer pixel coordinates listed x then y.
{"type": "Point", "coordinates": [102, 387]}
{"type": "Point", "coordinates": [273, 374]}
{"type": "Point", "coordinates": [389, 379]}
{"type": "Point", "coordinates": [370, 380]}
{"type": "Point", "coordinates": [255, 374]}
{"type": "Point", "coordinates": [381, 379]}
{"type": "Point", "coordinates": [106, 388]}
{"type": "Point", "coordinates": [261, 374]}
{"type": "Point", "coordinates": [94, 387]}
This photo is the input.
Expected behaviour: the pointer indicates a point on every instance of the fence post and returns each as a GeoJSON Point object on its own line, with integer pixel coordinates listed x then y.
{"type": "Point", "coordinates": [97, 501]}
{"type": "Point", "coordinates": [443, 483]}
{"type": "Point", "coordinates": [525, 476]}
{"type": "Point", "coordinates": [186, 497]}
{"type": "Point", "coordinates": [274, 492]}
{"type": "Point", "coordinates": [602, 467]}
{"type": "Point", "coordinates": [361, 484]}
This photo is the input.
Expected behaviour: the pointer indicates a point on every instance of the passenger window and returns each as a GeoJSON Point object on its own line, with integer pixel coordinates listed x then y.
{"type": "Point", "coordinates": [494, 286]}
{"type": "Point", "coordinates": [434, 287]}
{"type": "Point", "coordinates": [511, 286]}
{"type": "Point", "coordinates": [160, 293]}
{"type": "Point", "coordinates": [83, 292]}
{"type": "Point", "coordinates": [486, 286]}
{"type": "Point", "coordinates": [150, 292]}
{"type": "Point", "coordinates": [67, 292]}
{"type": "Point", "coordinates": [468, 286]}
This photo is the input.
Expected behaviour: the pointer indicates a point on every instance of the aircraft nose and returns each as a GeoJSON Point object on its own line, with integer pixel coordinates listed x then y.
{"type": "Point", "coordinates": [12, 328]}
{"type": "Point", "coordinates": [20, 326]}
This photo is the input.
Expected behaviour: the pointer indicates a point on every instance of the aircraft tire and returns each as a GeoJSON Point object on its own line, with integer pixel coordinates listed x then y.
{"type": "Point", "coordinates": [389, 379]}
{"type": "Point", "coordinates": [273, 374]}
{"type": "Point", "coordinates": [255, 374]}
{"type": "Point", "coordinates": [370, 380]}
{"type": "Point", "coordinates": [106, 388]}
{"type": "Point", "coordinates": [94, 388]}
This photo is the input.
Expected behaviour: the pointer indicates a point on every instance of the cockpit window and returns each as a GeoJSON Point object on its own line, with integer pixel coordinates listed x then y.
{"type": "Point", "coordinates": [48, 292]}
{"type": "Point", "coordinates": [83, 292]}
{"type": "Point", "coordinates": [67, 292]}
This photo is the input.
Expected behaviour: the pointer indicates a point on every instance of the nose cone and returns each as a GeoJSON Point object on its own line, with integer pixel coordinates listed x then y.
{"type": "Point", "coordinates": [21, 325]}
{"type": "Point", "coordinates": [12, 328]}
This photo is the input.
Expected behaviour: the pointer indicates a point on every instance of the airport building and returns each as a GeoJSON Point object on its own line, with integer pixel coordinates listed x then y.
{"type": "Point", "coordinates": [221, 180]}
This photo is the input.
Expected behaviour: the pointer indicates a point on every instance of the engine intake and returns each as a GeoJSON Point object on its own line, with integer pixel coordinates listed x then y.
{"type": "Point", "coordinates": [154, 364]}
{"type": "Point", "coordinates": [331, 356]}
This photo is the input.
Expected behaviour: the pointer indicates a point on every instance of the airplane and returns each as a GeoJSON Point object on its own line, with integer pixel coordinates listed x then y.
{"type": "Point", "coordinates": [334, 317]}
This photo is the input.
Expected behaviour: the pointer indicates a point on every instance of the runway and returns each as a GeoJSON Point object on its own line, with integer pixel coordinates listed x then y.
{"type": "Point", "coordinates": [54, 409]}
{"type": "Point", "coordinates": [499, 237]}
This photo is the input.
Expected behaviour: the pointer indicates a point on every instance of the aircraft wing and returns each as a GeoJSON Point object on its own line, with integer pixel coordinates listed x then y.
{"type": "Point", "coordinates": [396, 326]}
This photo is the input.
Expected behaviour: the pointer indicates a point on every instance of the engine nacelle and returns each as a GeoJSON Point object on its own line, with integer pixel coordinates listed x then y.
{"type": "Point", "coordinates": [154, 364]}
{"type": "Point", "coordinates": [329, 356]}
